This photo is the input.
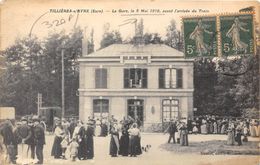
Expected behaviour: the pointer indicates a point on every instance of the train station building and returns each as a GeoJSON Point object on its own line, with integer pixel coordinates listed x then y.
{"type": "Point", "coordinates": [153, 83]}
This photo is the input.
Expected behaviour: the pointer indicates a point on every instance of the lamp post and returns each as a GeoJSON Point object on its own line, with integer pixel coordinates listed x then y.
{"type": "Point", "coordinates": [62, 82]}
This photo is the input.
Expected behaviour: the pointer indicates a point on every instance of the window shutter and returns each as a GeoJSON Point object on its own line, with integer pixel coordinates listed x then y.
{"type": "Point", "coordinates": [179, 78]}
{"type": "Point", "coordinates": [144, 85]}
{"type": "Point", "coordinates": [126, 78]}
{"type": "Point", "coordinates": [96, 108]}
{"type": "Point", "coordinates": [97, 78]}
{"type": "Point", "coordinates": [104, 78]}
{"type": "Point", "coordinates": [101, 78]}
{"type": "Point", "coordinates": [161, 78]}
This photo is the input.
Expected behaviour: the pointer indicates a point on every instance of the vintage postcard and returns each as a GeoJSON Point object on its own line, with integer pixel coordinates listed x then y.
{"type": "Point", "coordinates": [156, 82]}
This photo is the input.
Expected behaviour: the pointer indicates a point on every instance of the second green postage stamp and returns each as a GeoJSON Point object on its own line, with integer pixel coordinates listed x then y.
{"type": "Point", "coordinates": [237, 34]}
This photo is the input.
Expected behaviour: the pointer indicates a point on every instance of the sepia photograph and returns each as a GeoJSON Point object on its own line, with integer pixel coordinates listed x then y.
{"type": "Point", "coordinates": [112, 82]}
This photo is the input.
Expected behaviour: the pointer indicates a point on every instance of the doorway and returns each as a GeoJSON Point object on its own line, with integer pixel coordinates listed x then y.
{"type": "Point", "coordinates": [135, 109]}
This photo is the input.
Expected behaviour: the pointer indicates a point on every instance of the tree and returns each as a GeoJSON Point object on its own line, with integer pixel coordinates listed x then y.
{"type": "Point", "coordinates": [205, 78]}
{"type": "Point", "coordinates": [152, 38]}
{"type": "Point", "coordinates": [246, 89]}
{"type": "Point", "coordinates": [110, 37]}
{"type": "Point", "coordinates": [224, 99]}
{"type": "Point", "coordinates": [20, 76]}
{"type": "Point", "coordinates": [52, 69]}
{"type": "Point", "coordinates": [173, 36]}
{"type": "Point", "coordinates": [34, 66]}
{"type": "Point", "coordinates": [227, 87]}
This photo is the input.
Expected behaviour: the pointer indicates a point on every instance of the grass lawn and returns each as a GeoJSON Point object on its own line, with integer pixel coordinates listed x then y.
{"type": "Point", "coordinates": [214, 147]}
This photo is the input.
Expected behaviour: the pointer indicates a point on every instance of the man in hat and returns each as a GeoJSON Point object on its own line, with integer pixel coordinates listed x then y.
{"type": "Point", "coordinates": [6, 131]}
{"type": "Point", "coordinates": [23, 131]}
{"type": "Point", "coordinates": [30, 141]}
{"type": "Point", "coordinates": [172, 128]}
{"type": "Point", "coordinates": [23, 134]}
{"type": "Point", "coordinates": [39, 138]}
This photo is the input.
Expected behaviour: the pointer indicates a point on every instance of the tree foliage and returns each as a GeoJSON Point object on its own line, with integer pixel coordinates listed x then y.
{"type": "Point", "coordinates": [174, 37]}
{"type": "Point", "coordinates": [223, 87]}
{"type": "Point", "coordinates": [205, 79]}
{"type": "Point", "coordinates": [110, 37]}
{"type": "Point", "coordinates": [34, 66]}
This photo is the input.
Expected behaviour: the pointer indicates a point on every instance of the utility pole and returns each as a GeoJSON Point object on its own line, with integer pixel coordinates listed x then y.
{"type": "Point", "coordinates": [39, 103]}
{"type": "Point", "coordinates": [62, 83]}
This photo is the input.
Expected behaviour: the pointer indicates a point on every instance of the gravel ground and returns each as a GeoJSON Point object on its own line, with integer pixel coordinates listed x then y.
{"type": "Point", "coordinates": [162, 153]}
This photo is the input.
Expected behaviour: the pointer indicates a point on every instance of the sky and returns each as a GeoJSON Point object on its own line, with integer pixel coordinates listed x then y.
{"type": "Point", "coordinates": [42, 17]}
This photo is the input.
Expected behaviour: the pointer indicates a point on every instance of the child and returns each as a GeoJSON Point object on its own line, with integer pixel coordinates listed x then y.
{"type": "Point", "coordinates": [73, 148]}
{"type": "Point", "coordinates": [195, 128]}
{"type": "Point", "coordinates": [64, 145]}
{"type": "Point", "coordinates": [238, 135]}
{"type": "Point", "coordinates": [245, 133]}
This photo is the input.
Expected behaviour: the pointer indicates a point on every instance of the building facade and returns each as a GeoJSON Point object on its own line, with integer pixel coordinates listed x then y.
{"type": "Point", "coordinates": [153, 83]}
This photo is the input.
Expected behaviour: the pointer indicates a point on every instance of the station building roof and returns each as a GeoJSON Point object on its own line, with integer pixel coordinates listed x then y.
{"type": "Point", "coordinates": [130, 49]}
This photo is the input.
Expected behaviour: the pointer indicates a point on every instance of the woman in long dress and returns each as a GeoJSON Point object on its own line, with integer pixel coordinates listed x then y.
{"type": "Point", "coordinates": [245, 132]}
{"type": "Point", "coordinates": [215, 127]}
{"type": "Point", "coordinates": [184, 135]}
{"type": "Point", "coordinates": [98, 128]}
{"type": "Point", "coordinates": [211, 127]}
{"type": "Point", "coordinates": [252, 128]}
{"type": "Point", "coordinates": [90, 140]}
{"type": "Point", "coordinates": [195, 128]}
{"type": "Point", "coordinates": [204, 127]}
{"type": "Point", "coordinates": [124, 141]}
{"type": "Point", "coordinates": [135, 137]}
{"type": "Point", "coordinates": [223, 127]}
{"type": "Point", "coordinates": [231, 134]}
{"type": "Point", "coordinates": [189, 125]}
{"type": "Point", "coordinates": [239, 135]}
{"type": "Point", "coordinates": [114, 141]}
{"type": "Point", "coordinates": [79, 135]}
{"type": "Point", "coordinates": [104, 128]}
{"type": "Point", "coordinates": [56, 147]}
{"type": "Point", "coordinates": [256, 128]}
{"type": "Point", "coordinates": [219, 126]}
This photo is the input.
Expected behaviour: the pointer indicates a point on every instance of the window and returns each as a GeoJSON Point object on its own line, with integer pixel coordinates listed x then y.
{"type": "Point", "coordinates": [135, 78]}
{"type": "Point", "coordinates": [101, 78]}
{"type": "Point", "coordinates": [170, 109]}
{"type": "Point", "coordinates": [100, 107]}
{"type": "Point", "coordinates": [170, 78]}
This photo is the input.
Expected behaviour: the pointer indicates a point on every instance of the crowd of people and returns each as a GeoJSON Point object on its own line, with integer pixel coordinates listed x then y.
{"type": "Point", "coordinates": [77, 137]}
{"type": "Point", "coordinates": [73, 139]}
{"type": "Point", "coordinates": [235, 128]}
{"type": "Point", "coordinates": [25, 135]}
{"type": "Point", "coordinates": [219, 125]}
{"type": "Point", "coordinates": [181, 128]}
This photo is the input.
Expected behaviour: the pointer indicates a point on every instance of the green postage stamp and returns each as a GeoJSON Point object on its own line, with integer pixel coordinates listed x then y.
{"type": "Point", "coordinates": [200, 36]}
{"type": "Point", "coordinates": [237, 36]}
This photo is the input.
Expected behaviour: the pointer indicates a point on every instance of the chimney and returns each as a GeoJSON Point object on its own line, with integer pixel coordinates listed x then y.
{"type": "Point", "coordinates": [85, 43]}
